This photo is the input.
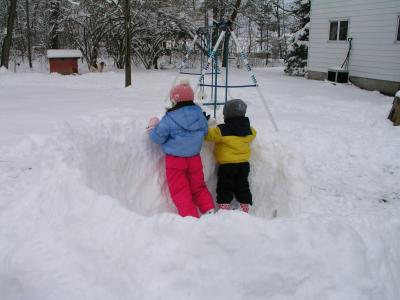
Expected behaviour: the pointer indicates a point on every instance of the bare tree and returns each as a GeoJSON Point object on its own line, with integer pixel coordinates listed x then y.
{"type": "Point", "coordinates": [155, 28]}
{"type": "Point", "coordinates": [54, 23]}
{"type": "Point", "coordinates": [235, 10]}
{"type": "Point", "coordinates": [28, 33]}
{"type": "Point", "coordinates": [225, 58]}
{"type": "Point", "coordinates": [5, 51]}
{"type": "Point", "coordinates": [87, 25]}
{"type": "Point", "coordinates": [128, 74]}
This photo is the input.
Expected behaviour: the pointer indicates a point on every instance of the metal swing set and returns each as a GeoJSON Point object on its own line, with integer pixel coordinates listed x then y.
{"type": "Point", "coordinates": [205, 36]}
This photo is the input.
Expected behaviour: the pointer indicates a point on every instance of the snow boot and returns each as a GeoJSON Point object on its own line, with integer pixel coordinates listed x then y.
{"type": "Point", "coordinates": [244, 207]}
{"type": "Point", "coordinates": [224, 206]}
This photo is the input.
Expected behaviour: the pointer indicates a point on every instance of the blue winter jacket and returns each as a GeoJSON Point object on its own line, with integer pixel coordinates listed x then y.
{"type": "Point", "coordinates": [181, 131]}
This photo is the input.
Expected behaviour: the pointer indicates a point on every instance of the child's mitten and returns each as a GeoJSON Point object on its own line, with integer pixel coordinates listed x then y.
{"type": "Point", "coordinates": [153, 122]}
{"type": "Point", "coordinates": [212, 122]}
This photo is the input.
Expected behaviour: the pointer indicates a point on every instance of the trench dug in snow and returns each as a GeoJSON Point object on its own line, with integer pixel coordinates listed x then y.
{"type": "Point", "coordinates": [116, 158]}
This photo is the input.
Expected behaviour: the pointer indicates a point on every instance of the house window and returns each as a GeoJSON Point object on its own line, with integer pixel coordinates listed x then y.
{"type": "Point", "coordinates": [338, 30]}
{"type": "Point", "coordinates": [344, 26]}
{"type": "Point", "coordinates": [333, 31]}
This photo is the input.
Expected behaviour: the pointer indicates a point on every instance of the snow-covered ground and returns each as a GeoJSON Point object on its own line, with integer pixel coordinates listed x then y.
{"type": "Point", "coordinates": [85, 212]}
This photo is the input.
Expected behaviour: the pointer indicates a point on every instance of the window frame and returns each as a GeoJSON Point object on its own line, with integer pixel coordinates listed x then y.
{"type": "Point", "coordinates": [397, 30]}
{"type": "Point", "coordinates": [330, 28]}
{"type": "Point", "coordinates": [340, 29]}
{"type": "Point", "coordinates": [338, 20]}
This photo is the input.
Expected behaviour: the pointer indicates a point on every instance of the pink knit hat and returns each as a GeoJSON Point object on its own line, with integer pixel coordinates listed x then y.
{"type": "Point", "coordinates": [182, 92]}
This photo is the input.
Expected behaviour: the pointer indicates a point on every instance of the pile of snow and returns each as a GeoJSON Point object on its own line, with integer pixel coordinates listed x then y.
{"type": "Point", "coordinates": [85, 212]}
{"type": "Point", "coordinates": [3, 70]}
{"type": "Point", "coordinates": [85, 216]}
{"type": "Point", "coordinates": [111, 154]}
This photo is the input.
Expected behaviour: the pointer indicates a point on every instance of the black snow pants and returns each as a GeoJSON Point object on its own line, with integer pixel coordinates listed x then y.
{"type": "Point", "coordinates": [233, 182]}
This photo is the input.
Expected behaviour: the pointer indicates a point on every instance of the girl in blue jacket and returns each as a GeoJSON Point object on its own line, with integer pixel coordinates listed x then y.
{"type": "Point", "coordinates": [181, 133]}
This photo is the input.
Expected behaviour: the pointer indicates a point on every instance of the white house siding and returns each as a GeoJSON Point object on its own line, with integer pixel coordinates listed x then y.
{"type": "Point", "coordinates": [373, 27]}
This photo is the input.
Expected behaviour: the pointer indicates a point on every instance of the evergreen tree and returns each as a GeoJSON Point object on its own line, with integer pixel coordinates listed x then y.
{"type": "Point", "coordinates": [296, 59]}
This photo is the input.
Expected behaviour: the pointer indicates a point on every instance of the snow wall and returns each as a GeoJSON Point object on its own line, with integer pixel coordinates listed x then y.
{"type": "Point", "coordinates": [110, 154]}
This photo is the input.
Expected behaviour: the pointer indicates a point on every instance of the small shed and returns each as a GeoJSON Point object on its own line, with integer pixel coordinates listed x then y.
{"type": "Point", "coordinates": [63, 61]}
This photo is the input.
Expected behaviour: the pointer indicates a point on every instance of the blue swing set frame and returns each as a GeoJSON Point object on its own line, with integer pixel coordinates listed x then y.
{"type": "Point", "coordinates": [225, 29]}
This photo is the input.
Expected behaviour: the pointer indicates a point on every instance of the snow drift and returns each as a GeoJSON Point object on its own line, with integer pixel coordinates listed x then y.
{"type": "Point", "coordinates": [111, 154]}
{"type": "Point", "coordinates": [85, 213]}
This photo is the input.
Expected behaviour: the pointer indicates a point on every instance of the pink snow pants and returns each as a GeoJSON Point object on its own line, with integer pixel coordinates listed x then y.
{"type": "Point", "coordinates": [186, 184]}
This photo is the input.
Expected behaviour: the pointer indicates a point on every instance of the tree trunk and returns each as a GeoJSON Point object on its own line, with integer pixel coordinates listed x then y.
{"type": "Point", "coordinates": [225, 59]}
{"type": "Point", "coordinates": [155, 62]}
{"type": "Point", "coordinates": [28, 33]}
{"type": "Point", "coordinates": [121, 55]}
{"type": "Point", "coordinates": [128, 75]}
{"type": "Point", "coordinates": [221, 10]}
{"type": "Point", "coordinates": [95, 54]}
{"type": "Point", "coordinates": [283, 27]}
{"type": "Point", "coordinates": [120, 62]}
{"type": "Point", "coordinates": [235, 10]}
{"type": "Point", "coordinates": [250, 37]}
{"type": "Point", "coordinates": [267, 51]}
{"type": "Point", "coordinates": [54, 16]}
{"type": "Point", "coordinates": [278, 29]}
{"type": "Point", "coordinates": [205, 16]}
{"type": "Point", "coordinates": [5, 51]}
{"type": "Point", "coordinates": [215, 16]}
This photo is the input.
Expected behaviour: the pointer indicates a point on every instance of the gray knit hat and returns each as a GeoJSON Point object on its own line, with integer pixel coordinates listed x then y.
{"type": "Point", "coordinates": [234, 108]}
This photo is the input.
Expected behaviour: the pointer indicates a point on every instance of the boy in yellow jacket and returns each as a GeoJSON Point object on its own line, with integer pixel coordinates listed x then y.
{"type": "Point", "coordinates": [232, 152]}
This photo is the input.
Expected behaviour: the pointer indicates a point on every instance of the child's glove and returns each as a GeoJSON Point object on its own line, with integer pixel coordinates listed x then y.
{"type": "Point", "coordinates": [212, 122]}
{"type": "Point", "coordinates": [206, 116]}
{"type": "Point", "coordinates": [153, 122]}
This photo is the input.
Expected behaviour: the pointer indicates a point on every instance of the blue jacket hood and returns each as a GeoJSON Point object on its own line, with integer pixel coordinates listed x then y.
{"type": "Point", "coordinates": [188, 117]}
{"type": "Point", "coordinates": [181, 131]}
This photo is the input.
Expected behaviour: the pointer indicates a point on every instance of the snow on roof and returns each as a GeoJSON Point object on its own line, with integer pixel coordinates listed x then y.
{"type": "Point", "coordinates": [63, 53]}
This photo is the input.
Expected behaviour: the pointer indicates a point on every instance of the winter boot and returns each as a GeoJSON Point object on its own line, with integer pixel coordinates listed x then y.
{"type": "Point", "coordinates": [244, 207]}
{"type": "Point", "coordinates": [224, 206]}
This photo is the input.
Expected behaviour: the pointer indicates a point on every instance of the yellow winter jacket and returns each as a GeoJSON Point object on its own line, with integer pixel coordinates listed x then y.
{"type": "Point", "coordinates": [232, 140]}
